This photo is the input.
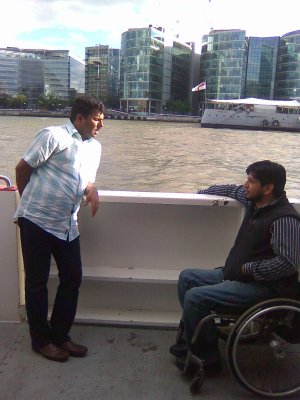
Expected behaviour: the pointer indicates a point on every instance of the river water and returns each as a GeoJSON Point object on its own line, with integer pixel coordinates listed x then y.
{"type": "Point", "coordinates": [164, 156]}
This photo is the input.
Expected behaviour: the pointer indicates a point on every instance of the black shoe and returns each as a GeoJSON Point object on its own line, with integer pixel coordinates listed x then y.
{"type": "Point", "coordinates": [211, 365]}
{"type": "Point", "coordinates": [179, 350]}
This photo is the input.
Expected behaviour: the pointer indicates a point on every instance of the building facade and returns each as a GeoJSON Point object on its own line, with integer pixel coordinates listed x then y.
{"type": "Point", "coordinates": [222, 64]}
{"type": "Point", "coordinates": [235, 66]}
{"type": "Point", "coordinates": [142, 69]}
{"type": "Point", "coordinates": [288, 67]}
{"type": "Point", "coordinates": [102, 74]}
{"type": "Point", "coordinates": [153, 72]}
{"type": "Point", "coordinates": [261, 67]}
{"type": "Point", "coordinates": [38, 72]}
{"type": "Point", "coordinates": [181, 71]}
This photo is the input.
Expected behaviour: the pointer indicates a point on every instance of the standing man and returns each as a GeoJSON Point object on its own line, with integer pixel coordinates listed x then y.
{"type": "Point", "coordinates": [54, 175]}
{"type": "Point", "coordinates": [263, 262]}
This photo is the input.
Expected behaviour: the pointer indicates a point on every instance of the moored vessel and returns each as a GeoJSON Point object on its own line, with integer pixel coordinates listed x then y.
{"type": "Point", "coordinates": [252, 113]}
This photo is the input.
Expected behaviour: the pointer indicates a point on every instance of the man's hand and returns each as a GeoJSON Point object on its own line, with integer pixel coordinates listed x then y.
{"type": "Point", "coordinates": [91, 196]}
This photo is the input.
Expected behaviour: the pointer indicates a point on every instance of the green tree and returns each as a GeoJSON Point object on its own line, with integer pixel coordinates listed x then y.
{"type": "Point", "coordinates": [21, 100]}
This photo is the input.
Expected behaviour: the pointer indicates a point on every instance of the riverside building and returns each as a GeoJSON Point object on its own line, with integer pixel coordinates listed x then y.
{"type": "Point", "coordinates": [39, 72]}
{"type": "Point", "coordinates": [154, 70]}
{"type": "Point", "coordinates": [222, 64]}
{"type": "Point", "coordinates": [235, 66]}
{"type": "Point", "coordinates": [261, 67]}
{"type": "Point", "coordinates": [288, 67]}
{"type": "Point", "coordinates": [102, 74]}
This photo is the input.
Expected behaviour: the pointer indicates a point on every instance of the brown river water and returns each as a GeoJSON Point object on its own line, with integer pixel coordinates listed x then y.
{"type": "Point", "coordinates": [164, 156]}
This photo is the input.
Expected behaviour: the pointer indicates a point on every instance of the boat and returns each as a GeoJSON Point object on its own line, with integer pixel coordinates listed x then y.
{"type": "Point", "coordinates": [132, 251]}
{"type": "Point", "coordinates": [252, 113]}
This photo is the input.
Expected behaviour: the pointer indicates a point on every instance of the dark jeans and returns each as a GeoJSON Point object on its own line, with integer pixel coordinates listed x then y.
{"type": "Point", "coordinates": [202, 290]}
{"type": "Point", "coordinates": [37, 247]}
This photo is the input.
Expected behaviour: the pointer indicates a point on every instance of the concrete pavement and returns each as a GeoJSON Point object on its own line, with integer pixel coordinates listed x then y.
{"type": "Point", "coordinates": [122, 363]}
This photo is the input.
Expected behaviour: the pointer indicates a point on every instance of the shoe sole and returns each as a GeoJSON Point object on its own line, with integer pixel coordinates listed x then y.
{"type": "Point", "coordinates": [57, 359]}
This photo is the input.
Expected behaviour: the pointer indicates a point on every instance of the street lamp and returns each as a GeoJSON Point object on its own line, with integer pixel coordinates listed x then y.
{"type": "Point", "coordinates": [98, 63]}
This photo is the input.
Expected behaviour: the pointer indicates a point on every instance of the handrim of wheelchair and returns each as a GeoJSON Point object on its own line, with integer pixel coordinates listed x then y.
{"type": "Point", "coordinates": [262, 347]}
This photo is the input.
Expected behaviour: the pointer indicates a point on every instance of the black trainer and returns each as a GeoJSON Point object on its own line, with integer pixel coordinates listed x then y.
{"type": "Point", "coordinates": [211, 365]}
{"type": "Point", "coordinates": [179, 350]}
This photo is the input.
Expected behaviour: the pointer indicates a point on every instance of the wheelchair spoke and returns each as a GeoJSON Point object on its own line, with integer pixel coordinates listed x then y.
{"type": "Point", "coordinates": [268, 364]}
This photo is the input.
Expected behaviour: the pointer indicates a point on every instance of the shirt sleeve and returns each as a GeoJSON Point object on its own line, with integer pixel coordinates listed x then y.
{"type": "Point", "coordinates": [43, 145]}
{"type": "Point", "coordinates": [234, 191]}
{"type": "Point", "coordinates": [285, 241]}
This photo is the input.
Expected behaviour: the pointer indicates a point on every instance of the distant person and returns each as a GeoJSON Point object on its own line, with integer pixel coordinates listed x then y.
{"type": "Point", "coordinates": [263, 262]}
{"type": "Point", "coordinates": [54, 175]}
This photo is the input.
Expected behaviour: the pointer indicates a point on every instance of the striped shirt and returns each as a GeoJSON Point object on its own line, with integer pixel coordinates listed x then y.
{"type": "Point", "coordinates": [285, 240]}
{"type": "Point", "coordinates": [63, 165]}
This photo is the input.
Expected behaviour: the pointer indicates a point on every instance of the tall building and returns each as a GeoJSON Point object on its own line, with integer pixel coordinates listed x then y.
{"type": "Point", "coordinates": [102, 74]}
{"type": "Point", "coordinates": [181, 71]}
{"type": "Point", "coordinates": [39, 72]}
{"type": "Point", "coordinates": [153, 72]}
{"type": "Point", "coordinates": [261, 67]}
{"type": "Point", "coordinates": [223, 64]}
{"type": "Point", "coordinates": [142, 67]}
{"type": "Point", "coordinates": [288, 67]}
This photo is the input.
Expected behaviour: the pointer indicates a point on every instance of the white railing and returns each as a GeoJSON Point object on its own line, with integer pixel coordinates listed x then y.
{"type": "Point", "coordinates": [132, 251]}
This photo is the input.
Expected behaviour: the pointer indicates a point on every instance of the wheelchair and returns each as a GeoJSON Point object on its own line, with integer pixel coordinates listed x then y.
{"type": "Point", "coordinates": [262, 347]}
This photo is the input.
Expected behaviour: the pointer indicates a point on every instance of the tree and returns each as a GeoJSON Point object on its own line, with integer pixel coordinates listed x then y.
{"type": "Point", "coordinates": [50, 102]}
{"type": "Point", "coordinates": [21, 100]}
{"type": "Point", "coordinates": [179, 106]}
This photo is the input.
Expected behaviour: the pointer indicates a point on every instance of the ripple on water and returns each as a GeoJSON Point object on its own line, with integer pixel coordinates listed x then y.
{"type": "Point", "coordinates": [165, 157]}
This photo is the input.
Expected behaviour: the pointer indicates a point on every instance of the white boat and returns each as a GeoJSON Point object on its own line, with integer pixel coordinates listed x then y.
{"type": "Point", "coordinates": [252, 113]}
{"type": "Point", "coordinates": [133, 251]}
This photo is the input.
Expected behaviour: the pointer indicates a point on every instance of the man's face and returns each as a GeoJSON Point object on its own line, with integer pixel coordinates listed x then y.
{"type": "Point", "coordinates": [254, 189]}
{"type": "Point", "coordinates": [89, 127]}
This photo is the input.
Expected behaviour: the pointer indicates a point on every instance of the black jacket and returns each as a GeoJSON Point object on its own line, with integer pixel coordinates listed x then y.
{"type": "Point", "coordinates": [253, 241]}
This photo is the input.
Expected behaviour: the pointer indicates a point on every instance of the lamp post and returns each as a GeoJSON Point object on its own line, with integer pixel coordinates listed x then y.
{"type": "Point", "coordinates": [98, 63]}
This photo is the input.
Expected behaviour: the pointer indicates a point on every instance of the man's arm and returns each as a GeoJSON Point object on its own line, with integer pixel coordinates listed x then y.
{"type": "Point", "coordinates": [91, 196]}
{"type": "Point", "coordinates": [285, 241]}
{"type": "Point", "coordinates": [23, 173]}
{"type": "Point", "coordinates": [234, 191]}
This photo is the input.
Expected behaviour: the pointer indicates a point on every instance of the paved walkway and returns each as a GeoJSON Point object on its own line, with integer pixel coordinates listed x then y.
{"type": "Point", "coordinates": [122, 363]}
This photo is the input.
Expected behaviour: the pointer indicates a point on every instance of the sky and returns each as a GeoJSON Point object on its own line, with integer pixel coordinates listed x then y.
{"type": "Point", "coordinates": [75, 24]}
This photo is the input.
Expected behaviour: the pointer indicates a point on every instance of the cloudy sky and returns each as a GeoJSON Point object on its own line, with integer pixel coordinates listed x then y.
{"type": "Point", "coordinates": [75, 24]}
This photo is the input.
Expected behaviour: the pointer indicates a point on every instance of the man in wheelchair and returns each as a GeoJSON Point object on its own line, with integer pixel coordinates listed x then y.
{"type": "Point", "coordinates": [262, 264]}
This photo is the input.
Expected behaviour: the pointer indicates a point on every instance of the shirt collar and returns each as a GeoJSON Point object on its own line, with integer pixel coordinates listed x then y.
{"type": "Point", "coordinates": [72, 131]}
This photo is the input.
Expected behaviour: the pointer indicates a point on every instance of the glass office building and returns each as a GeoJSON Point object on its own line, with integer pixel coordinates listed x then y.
{"type": "Point", "coordinates": [9, 72]}
{"type": "Point", "coordinates": [180, 76]}
{"type": "Point", "coordinates": [261, 67]}
{"type": "Point", "coordinates": [31, 84]}
{"type": "Point", "coordinates": [223, 64]}
{"type": "Point", "coordinates": [102, 66]}
{"type": "Point", "coordinates": [36, 73]}
{"type": "Point", "coordinates": [288, 67]}
{"type": "Point", "coordinates": [142, 68]}
{"type": "Point", "coordinates": [153, 71]}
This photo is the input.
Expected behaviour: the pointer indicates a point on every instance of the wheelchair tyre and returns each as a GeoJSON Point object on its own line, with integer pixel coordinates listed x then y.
{"type": "Point", "coordinates": [269, 365]}
{"type": "Point", "coordinates": [197, 382]}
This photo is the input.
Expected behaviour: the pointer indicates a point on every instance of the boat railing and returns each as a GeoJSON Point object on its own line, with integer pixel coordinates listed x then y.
{"type": "Point", "coordinates": [6, 180]}
{"type": "Point", "coordinates": [132, 253]}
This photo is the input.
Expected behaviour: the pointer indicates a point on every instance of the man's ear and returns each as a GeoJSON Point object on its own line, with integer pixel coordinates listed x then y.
{"type": "Point", "coordinates": [79, 117]}
{"type": "Point", "coordinates": [268, 189]}
{"type": "Point", "coordinates": [78, 121]}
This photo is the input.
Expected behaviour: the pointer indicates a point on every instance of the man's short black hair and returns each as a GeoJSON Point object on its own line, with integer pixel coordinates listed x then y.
{"type": "Point", "coordinates": [269, 172]}
{"type": "Point", "coordinates": [85, 106]}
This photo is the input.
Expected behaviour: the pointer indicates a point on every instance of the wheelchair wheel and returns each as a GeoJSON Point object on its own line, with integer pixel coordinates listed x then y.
{"type": "Point", "coordinates": [270, 364]}
{"type": "Point", "coordinates": [196, 383]}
